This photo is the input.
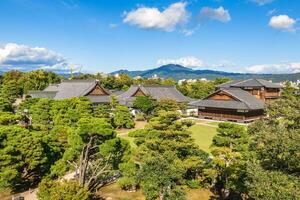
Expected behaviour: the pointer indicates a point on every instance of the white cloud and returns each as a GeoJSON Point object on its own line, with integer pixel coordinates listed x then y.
{"type": "Point", "coordinates": [283, 23]}
{"type": "Point", "coordinates": [219, 14]}
{"type": "Point", "coordinates": [284, 67]}
{"type": "Point", "coordinates": [153, 18]}
{"type": "Point", "coordinates": [262, 2]}
{"type": "Point", "coordinates": [16, 56]}
{"type": "Point", "coordinates": [190, 61]}
{"type": "Point", "coordinates": [187, 32]}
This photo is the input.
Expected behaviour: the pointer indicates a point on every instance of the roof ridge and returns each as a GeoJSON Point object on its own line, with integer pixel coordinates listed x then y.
{"type": "Point", "coordinates": [241, 81]}
{"type": "Point", "coordinates": [155, 85]}
{"type": "Point", "coordinates": [80, 80]}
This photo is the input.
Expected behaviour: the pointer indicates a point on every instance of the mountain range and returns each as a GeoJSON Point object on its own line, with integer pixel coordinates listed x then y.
{"type": "Point", "coordinates": [178, 72]}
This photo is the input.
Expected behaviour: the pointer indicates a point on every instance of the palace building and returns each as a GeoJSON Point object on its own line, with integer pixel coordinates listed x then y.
{"type": "Point", "coordinates": [75, 88]}
{"type": "Point", "coordinates": [157, 92]}
{"type": "Point", "coordinates": [239, 101]}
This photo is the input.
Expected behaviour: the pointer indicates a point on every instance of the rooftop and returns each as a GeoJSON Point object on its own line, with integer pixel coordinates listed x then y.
{"type": "Point", "coordinates": [250, 83]}
{"type": "Point", "coordinates": [244, 100]}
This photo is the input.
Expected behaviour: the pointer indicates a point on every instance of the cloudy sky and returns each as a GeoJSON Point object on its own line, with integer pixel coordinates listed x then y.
{"type": "Point", "coordinates": [257, 36]}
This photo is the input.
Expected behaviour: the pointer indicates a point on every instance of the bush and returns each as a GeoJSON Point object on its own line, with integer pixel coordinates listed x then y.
{"type": "Point", "coordinates": [140, 117]}
{"type": "Point", "coordinates": [193, 184]}
{"type": "Point", "coordinates": [66, 190]}
{"type": "Point", "coordinates": [127, 183]}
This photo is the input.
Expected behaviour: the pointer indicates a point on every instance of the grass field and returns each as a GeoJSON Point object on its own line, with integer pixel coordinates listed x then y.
{"type": "Point", "coordinates": [203, 135]}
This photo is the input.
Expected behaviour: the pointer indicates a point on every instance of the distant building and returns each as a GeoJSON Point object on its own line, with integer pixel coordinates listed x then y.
{"type": "Point", "coordinates": [157, 92]}
{"type": "Point", "coordinates": [239, 101]}
{"type": "Point", "coordinates": [155, 76]}
{"type": "Point", "coordinates": [93, 90]}
{"type": "Point", "coordinates": [75, 88]}
{"type": "Point", "coordinates": [191, 80]}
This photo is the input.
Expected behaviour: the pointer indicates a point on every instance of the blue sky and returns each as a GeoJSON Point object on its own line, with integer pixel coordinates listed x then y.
{"type": "Point", "coordinates": [256, 36]}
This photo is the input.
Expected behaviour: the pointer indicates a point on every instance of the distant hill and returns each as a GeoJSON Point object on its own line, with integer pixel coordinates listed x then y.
{"type": "Point", "coordinates": [178, 72]}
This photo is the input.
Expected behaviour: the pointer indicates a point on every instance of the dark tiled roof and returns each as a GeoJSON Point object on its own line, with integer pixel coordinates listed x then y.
{"type": "Point", "coordinates": [244, 100]}
{"type": "Point", "coordinates": [250, 83]}
{"type": "Point", "coordinates": [42, 94]}
{"type": "Point", "coordinates": [74, 88]}
{"type": "Point", "coordinates": [220, 104]}
{"type": "Point", "coordinates": [52, 88]}
{"type": "Point", "coordinates": [71, 88]}
{"type": "Point", "coordinates": [157, 92]}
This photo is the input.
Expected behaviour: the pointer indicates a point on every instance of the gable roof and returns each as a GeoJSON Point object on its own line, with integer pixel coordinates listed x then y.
{"type": "Point", "coordinates": [72, 88]}
{"type": "Point", "coordinates": [51, 88]}
{"type": "Point", "coordinates": [250, 83]}
{"type": "Point", "coordinates": [244, 100]}
{"type": "Point", "coordinates": [42, 94]}
{"type": "Point", "coordinates": [157, 92]}
{"type": "Point", "coordinates": [75, 88]}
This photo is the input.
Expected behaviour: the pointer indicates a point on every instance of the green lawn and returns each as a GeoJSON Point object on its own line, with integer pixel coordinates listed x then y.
{"type": "Point", "coordinates": [203, 135]}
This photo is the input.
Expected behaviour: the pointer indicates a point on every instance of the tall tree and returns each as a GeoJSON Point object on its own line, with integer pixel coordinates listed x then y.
{"type": "Point", "coordinates": [25, 157]}
{"type": "Point", "coordinates": [227, 168]}
{"type": "Point", "coordinates": [146, 104]}
{"type": "Point", "coordinates": [122, 117]}
{"type": "Point", "coordinates": [166, 145]}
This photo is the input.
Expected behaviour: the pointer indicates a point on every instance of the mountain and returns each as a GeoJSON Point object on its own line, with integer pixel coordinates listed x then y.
{"type": "Point", "coordinates": [178, 72]}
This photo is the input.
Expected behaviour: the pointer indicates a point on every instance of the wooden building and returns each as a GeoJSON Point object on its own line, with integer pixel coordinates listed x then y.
{"type": "Point", "coordinates": [261, 89]}
{"type": "Point", "coordinates": [157, 92]}
{"type": "Point", "coordinates": [75, 88]}
{"type": "Point", "coordinates": [239, 101]}
{"type": "Point", "coordinates": [230, 104]}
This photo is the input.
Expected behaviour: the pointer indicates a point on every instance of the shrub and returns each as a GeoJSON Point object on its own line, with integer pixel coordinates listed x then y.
{"type": "Point", "coordinates": [66, 190]}
{"type": "Point", "coordinates": [193, 184]}
{"type": "Point", "coordinates": [140, 117]}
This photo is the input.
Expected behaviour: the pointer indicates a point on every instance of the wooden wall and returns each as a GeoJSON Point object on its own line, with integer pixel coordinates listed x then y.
{"type": "Point", "coordinates": [230, 115]}
{"type": "Point", "coordinates": [97, 91]}
{"type": "Point", "coordinates": [221, 96]}
{"type": "Point", "coordinates": [139, 93]}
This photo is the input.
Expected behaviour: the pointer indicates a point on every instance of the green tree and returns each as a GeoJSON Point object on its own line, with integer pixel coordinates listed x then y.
{"type": "Point", "coordinates": [8, 118]}
{"type": "Point", "coordinates": [41, 118]}
{"type": "Point", "coordinates": [62, 190]}
{"type": "Point", "coordinates": [167, 105]}
{"type": "Point", "coordinates": [164, 144]}
{"type": "Point", "coordinates": [267, 184]}
{"type": "Point", "coordinates": [146, 104]}
{"type": "Point", "coordinates": [5, 105]}
{"type": "Point", "coordinates": [160, 174]}
{"type": "Point", "coordinates": [221, 80]}
{"type": "Point", "coordinates": [25, 157]}
{"type": "Point", "coordinates": [102, 111]}
{"type": "Point", "coordinates": [10, 90]}
{"type": "Point", "coordinates": [226, 172]}
{"type": "Point", "coordinates": [122, 117]}
{"type": "Point", "coordinates": [37, 80]}
{"type": "Point", "coordinates": [198, 89]}
{"type": "Point", "coordinates": [232, 136]}
{"type": "Point", "coordinates": [70, 111]}
{"type": "Point", "coordinates": [272, 172]}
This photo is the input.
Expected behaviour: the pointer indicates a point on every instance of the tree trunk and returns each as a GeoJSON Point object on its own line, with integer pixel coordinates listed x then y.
{"type": "Point", "coordinates": [161, 194]}
{"type": "Point", "coordinates": [84, 160]}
